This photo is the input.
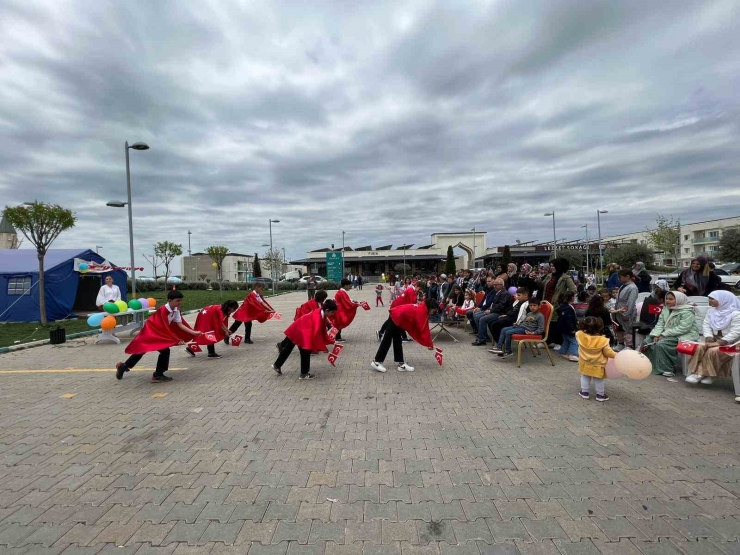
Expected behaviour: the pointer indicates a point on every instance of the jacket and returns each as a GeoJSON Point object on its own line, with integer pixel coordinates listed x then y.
{"type": "Point", "coordinates": [485, 304]}
{"type": "Point", "coordinates": [564, 285]}
{"type": "Point", "coordinates": [731, 333]}
{"type": "Point", "coordinates": [627, 298]}
{"type": "Point", "coordinates": [567, 323]}
{"type": "Point", "coordinates": [613, 281]}
{"type": "Point", "coordinates": [642, 280]}
{"type": "Point", "coordinates": [713, 284]}
{"type": "Point", "coordinates": [593, 352]}
{"type": "Point", "coordinates": [517, 311]}
{"type": "Point", "coordinates": [677, 323]}
{"type": "Point", "coordinates": [501, 302]}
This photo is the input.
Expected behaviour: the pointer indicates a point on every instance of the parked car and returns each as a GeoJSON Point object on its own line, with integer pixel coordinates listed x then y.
{"type": "Point", "coordinates": [266, 280]}
{"type": "Point", "coordinates": [305, 279]}
{"type": "Point", "coordinates": [144, 278]}
{"type": "Point", "coordinates": [728, 280]}
{"type": "Point", "coordinates": [290, 276]}
{"type": "Point", "coordinates": [171, 279]}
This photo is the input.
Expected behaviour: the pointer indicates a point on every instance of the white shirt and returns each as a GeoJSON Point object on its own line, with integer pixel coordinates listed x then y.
{"type": "Point", "coordinates": [112, 293]}
{"type": "Point", "coordinates": [174, 314]}
{"type": "Point", "coordinates": [257, 296]}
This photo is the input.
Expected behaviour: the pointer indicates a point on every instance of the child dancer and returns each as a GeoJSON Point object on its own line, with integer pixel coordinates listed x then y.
{"type": "Point", "coordinates": [162, 330]}
{"type": "Point", "coordinates": [309, 332]}
{"type": "Point", "coordinates": [214, 318]}
{"type": "Point", "coordinates": [306, 308]}
{"type": "Point", "coordinates": [413, 318]}
{"type": "Point", "coordinates": [254, 307]}
{"type": "Point", "coordinates": [379, 295]}
{"type": "Point", "coordinates": [409, 296]}
{"type": "Point", "coordinates": [593, 353]}
{"type": "Point", "coordinates": [346, 308]}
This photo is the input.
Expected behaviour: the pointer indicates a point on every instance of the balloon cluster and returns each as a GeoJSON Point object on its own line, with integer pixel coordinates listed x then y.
{"type": "Point", "coordinates": [83, 268]}
{"type": "Point", "coordinates": [107, 321]}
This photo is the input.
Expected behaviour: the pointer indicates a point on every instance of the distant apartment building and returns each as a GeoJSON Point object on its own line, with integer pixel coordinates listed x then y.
{"type": "Point", "coordinates": [236, 267]}
{"type": "Point", "coordinates": [697, 239]}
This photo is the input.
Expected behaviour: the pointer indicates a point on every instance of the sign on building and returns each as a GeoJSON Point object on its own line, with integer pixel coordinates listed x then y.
{"type": "Point", "coordinates": [334, 266]}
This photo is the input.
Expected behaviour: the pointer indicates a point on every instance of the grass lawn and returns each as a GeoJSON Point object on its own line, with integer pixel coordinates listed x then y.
{"type": "Point", "coordinates": [27, 332]}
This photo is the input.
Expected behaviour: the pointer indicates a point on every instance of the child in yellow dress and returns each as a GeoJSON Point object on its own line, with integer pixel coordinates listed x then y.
{"type": "Point", "coordinates": [593, 352]}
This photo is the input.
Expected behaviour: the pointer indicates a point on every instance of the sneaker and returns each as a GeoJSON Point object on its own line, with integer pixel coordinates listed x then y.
{"type": "Point", "coordinates": [693, 378]}
{"type": "Point", "coordinates": [707, 381]}
{"type": "Point", "coordinates": [496, 350]}
{"type": "Point", "coordinates": [226, 340]}
{"type": "Point", "coordinates": [160, 378]}
{"type": "Point", "coordinates": [306, 377]}
{"type": "Point", "coordinates": [602, 398]}
{"type": "Point", "coordinates": [188, 351]}
{"type": "Point", "coordinates": [214, 355]}
{"type": "Point", "coordinates": [377, 366]}
{"type": "Point", "coordinates": [278, 371]}
{"type": "Point", "coordinates": [405, 368]}
{"type": "Point", "coordinates": [507, 354]}
{"type": "Point", "coordinates": [669, 374]}
{"type": "Point", "coordinates": [121, 368]}
{"type": "Point", "coordinates": [554, 346]}
{"type": "Point", "coordinates": [573, 358]}
{"type": "Point", "coordinates": [407, 340]}
{"type": "Point", "coordinates": [565, 356]}
{"type": "Point", "coordinates": [737, 399]}
{"type": "Point", "coordinates": [584, 395]}
{"type": "Point", "coordinates": [478, 343]}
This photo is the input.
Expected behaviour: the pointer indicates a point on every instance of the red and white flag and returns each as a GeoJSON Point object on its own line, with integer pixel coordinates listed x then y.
{"type": "Point", "coordinates": [655, 309]}
{"type": "Point", "coordinates": [365, 305]}
{"type": "Point", "coordinates": [236, 340]}
{"type": "Point", "coordinates": [439, 355]}
{"type": "Point", "coordinates": [275, 316]}
{"type": "Point", "coordinates": [334, 354]}
{"type": "Point", "coordinates": [210, 336]}
{"type": "Point", "coordinates": [194, 348]}
{"type": "Point", "coordinates": [333, 333]}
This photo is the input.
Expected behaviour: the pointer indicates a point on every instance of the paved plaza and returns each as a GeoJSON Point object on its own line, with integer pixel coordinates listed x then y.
{"type": "Point", "coordinates": [474, 457]}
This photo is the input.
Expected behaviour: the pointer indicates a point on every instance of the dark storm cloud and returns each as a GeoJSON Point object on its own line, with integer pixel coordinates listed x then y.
{"type": "Point", "coordinates": [389, 120]}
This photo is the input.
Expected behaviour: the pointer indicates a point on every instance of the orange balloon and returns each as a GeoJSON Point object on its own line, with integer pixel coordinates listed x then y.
{"type": "Point", "coordinates": [152, 302]}
{"type": "Point", "coordinates": [108, 323]}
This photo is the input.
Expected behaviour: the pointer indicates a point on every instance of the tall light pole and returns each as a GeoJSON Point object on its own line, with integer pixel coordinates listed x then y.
{"type": "Point", "coordinates": [285, 258]}
{"type": "Point", "coordinates": [554, 239]}
{"type": "Point", "coordinates": [601, 253]}
{"type": "Point", "coordinates": [272, 256]}
{"type": "Point", "coordinates": [473, 230]}
{"type": "Point", "coordinates": [343, 274]}
{"type": "Point", "coordinates": [189, 234]}
{"type": "Point", "coordinates": [586, 226]}
{"type": "Point", "coordinates": [118, 204]}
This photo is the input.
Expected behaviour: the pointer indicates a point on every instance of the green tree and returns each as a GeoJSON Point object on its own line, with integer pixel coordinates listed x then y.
{"type": "Point", "coordinates": [729, 246]}
{"type": "Point", "coordinates": [217, 254]}
{"type": "Point", "coordinates": [628, 253]}
{"type": "Point", "coordinates": [41, 224]}
{"type": "Point", "coordinates": [166, 251]}
{"type": "Point", "coordinates": [666, 237]}
{"type": "Point", "coordinates": [506, 257]}
{"type": "Point", "coordinates": [257, 270]}
{"type": "Point", "coordinates": [450, 263]}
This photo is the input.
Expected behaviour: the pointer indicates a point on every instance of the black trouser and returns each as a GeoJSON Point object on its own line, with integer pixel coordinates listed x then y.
{"type": "Point", "coordinates": [554, 335]}
{"type": "Point", "coordinates": [286, 349]}
{"type": "Point", "coordinates": [311, 293]}
{"type": "Point", "coordinates": [384, 327]}
{"type": "Point", "coordinates": [163, 361]}
{"type": "Point", "coordinates": [247, 328]}
{"type": "Point", "coordinates": [211, 349]}
{"type": "Point", "coordinates": [393, 335]}
{"type": "Point", "coordinates": [497, 325]}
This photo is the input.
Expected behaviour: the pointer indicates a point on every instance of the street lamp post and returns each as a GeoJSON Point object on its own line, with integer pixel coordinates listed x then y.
{"type": "Point", "coordinates": [601, 252]}
{"type": "Point", "coordinates": [189, 234]}
{"type": "Point", "coordinates": [554, 239]}
{"type": "Point", "coordinates": [343, 274]}
{"type": "Point", "coordinates": [272, 256]}
{"type": "Point", "coordinates": [587, 245]}
{"type": "Point", "coordinates": [473, 230]}
{"type": "Point", "coordinates": [118, 204]}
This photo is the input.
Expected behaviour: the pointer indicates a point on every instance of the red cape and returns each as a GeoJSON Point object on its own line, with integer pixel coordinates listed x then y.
{"type": "Point", "coordinates": [409, 296]}
{"type": "Point", "coordinates": [414, 318]}
{"type": "Point", "coordinates": [252, 309]}
{"type": "Point", "coordinates": [158, 334]}
{"type": "Point", "coordinates": [211, 318]}
{"type": "Point", "coordinates": [306, 308]}
{"type": "Point", "coordinates": [309, 332]}
{"type": "Point", "coordinates": [346, 310]}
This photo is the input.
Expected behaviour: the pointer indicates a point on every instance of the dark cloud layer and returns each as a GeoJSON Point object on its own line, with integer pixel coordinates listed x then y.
{"type": "Point", "coordinates": [389, 120]}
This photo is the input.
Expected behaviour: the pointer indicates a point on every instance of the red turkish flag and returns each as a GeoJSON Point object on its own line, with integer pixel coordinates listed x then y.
{"type": "Point", "coordinates": [337, 350]}
{"type": "Point", "coordinates": [655, 309]}
{"type": "Point", "coordinates": [332, 358]}
{"type": "Point", "coordinates": [440, 357]}
{"type": "Point", "coordinates": [333, 333]}
{"type": "Point", "coordinates": [236, 340]}
{"type": "Point", "coordinates": [277, 316]}
{"type": "Point", "coordinates": [194, 348]}
{"type": "Point", "coordinates": [364, 305]}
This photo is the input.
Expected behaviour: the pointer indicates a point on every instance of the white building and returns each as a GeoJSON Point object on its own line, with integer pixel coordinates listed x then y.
{"type": "Point", "coordinates": [235, 267]}
{"type": "Point", "coordinates": [697, 239]}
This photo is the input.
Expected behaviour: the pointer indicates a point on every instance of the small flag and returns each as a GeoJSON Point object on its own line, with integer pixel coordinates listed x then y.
{"type": "Point", "coordinates": [194, 348]}
{"type": "Point", "coordinates": [655, 309]}
{"type": "Point", "coordinates": [364, 305]}
{"type": "Point", "coordinates": [332, 358]}
{"type": "Point", "coordinates": [236, 340]}
{"type": "Point", "coordinates": [337, 350]}
{"type": "Point", "coordinates": [210, 336]}
{"type": "Point", "coordinates": [439, 357]}
{"type": "Point", "coordinates": [275, 316]}
{"type": "Point", "coordinates": [333, 333]}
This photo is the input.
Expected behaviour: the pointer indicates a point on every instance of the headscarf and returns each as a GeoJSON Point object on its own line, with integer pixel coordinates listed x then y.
{"type": "Point", "coordinates": [511, 269]}
{"type": "Point", "coordinates": [729, 307]}
{"type": "Point", "coordinates": [663, 284]}
{"type": "Point", "coordinates": [639, 267]}
{"type": "Point", "coordinates": [697, 281]}
{"type": "Point", "coordinates": [682, 303]}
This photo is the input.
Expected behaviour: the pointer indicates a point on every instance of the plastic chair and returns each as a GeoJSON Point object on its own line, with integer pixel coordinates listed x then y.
{"type": "Point", "coordinates": [699, 301]}
{"type": "Point", "coordinates": [533, 341]}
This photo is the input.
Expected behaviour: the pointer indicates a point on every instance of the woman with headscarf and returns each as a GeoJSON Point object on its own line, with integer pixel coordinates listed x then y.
{"type": "Point", "coordinates": [677, 322]}
{"type": "Point", "coordinates": [721, 327]}
{"type": "Point", "coordinates": [526, 278]}
{"type": "Point", "coordinates": [698, 280]}
{"type": "Point", "coordinates": [512, 275]}
{"type": "Point", "coordinates": [552, 289]}
{"type": "Point", "coordinates": [642, 277]}
{"type": "Point", "coordinates": [613, 282]}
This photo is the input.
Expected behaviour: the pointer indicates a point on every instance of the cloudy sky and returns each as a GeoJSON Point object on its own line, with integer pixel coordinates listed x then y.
{"type": "Point", "coordinates": [389, 120]}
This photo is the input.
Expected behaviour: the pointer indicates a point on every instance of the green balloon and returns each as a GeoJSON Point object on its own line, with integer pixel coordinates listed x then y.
{"type": "Point", "coordinates": [111, 308]}
{"type": "Point", "coordinates": [134, 304]}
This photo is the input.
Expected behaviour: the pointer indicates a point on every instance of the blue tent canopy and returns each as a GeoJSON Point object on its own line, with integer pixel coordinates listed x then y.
{"type": "Point", "coordinates": [19, 276]}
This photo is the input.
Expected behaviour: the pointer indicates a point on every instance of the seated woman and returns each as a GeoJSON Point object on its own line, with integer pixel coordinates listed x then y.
{"type": "Point", "coordinates": [721, 327]}
{"type": "Point", "coordinates": [108, 293]}
{"type": "Point", "coordinates": [677, 322]}
{"type": "Point", "coordinates": [698, 280]}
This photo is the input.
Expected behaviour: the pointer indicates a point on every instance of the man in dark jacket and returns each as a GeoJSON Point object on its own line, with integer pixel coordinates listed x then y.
{"type": "Point", "coordinates": [499, 303]}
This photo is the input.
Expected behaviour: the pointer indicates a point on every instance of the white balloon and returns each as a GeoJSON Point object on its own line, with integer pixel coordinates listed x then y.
{"type": "Point", "coordinates": [634, 365]}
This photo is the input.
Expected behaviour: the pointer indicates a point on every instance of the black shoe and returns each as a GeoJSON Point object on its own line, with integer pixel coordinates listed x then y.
{"type": "Point", "coordinates": [277, 370]}
{"type": "Point", "coordinates": [121, 368]}
{"type": "Point", "coordinates": [339, 339]}
{"type": "Point", "coordinates": [306, 377]}
{"type": "Point", "coordinates": [226, 340]}
{"type": "Point", "coordinates": [478, 343]}
{"type": "Point", "coordinates": [214, 355]}
{"type": "Point", "coordinates": [160, 378]}
{"type": "Point", "coordinates": [248, 341]}
{"type": "Point", "coordinates": [191, 353]}
{"type": "Point", "coordinates": [279, 346]}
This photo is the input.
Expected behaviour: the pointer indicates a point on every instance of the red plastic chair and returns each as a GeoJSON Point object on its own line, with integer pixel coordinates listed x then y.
{"type": "Point", "coordinates": [533, 341]}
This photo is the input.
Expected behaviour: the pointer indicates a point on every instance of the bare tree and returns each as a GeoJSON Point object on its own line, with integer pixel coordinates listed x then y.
{"type": "Point", "coordinates": [167, 251]}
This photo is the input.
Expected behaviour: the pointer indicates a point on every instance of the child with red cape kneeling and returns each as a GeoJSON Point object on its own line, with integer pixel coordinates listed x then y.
{"type": "Point", "coordinates": [162, 330]}
{"type": "Point", "coordinates": [307, 308]}
{"type": "Point", "coordinates": [254, 307]}
{"type": "Point", "coordinates": [346, 308]}
{"type": "Point", "coordinates": [310, 333]}
{"type": "Point", "coordinates": [413, 318]}
{"type": "Point", "coordinates": [214, 319]}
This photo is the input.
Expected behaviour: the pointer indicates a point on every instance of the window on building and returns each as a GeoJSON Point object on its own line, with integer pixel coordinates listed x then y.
{"type": "Point", "coordinates": [713, 248]}
{"type": "Point", "coordinates": [713, 234]}
{"type": "Point", "coordinates": [19, 286]}
{"type": "Point", "coordinates": [685, 237]}
{"type": "Point", "coordinates": [686, 251]}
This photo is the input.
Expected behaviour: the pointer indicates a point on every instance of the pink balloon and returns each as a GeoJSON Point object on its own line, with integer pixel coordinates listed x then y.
{"type": "Point", "coordinates": [611, 370]}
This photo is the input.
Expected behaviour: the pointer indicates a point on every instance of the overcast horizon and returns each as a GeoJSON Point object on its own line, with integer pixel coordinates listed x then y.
{"type": "Point", "coordinates": [388, 120]}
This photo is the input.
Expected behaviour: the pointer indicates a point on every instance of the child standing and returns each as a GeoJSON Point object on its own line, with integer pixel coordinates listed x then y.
{"type": "Point", "coordinates": [593, 353]}
{"type": "Point", "coordinates": [530, 323]}
{"type": "Point", "coordinates": [379, 295]}
{"type": "Point", "coordinates": [568, 326]}
{"type": "Point", "coordinates": [625, 310]}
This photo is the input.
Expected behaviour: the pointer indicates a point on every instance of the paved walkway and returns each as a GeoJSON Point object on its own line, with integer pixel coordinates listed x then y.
{"type": "Point", "coordinates": [475, 457]}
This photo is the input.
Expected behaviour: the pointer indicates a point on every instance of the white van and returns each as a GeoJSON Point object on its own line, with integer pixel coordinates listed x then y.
{"type": "Point", "coordinates": [291, 276]}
